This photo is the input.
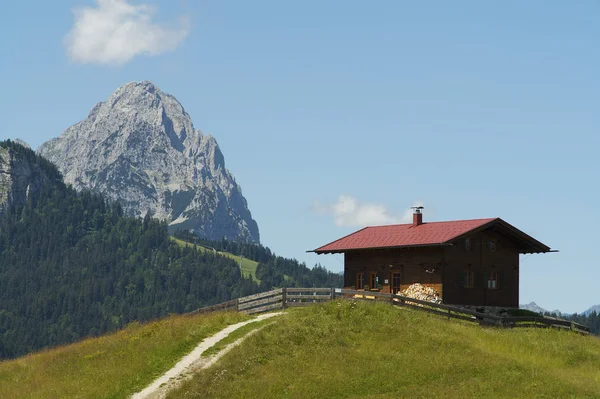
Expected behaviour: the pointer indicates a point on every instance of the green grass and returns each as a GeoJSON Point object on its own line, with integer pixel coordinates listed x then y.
{"type": "Point", "coordinates": [234, 336]}
{"type": "Point", "coordinates": [349, 349]}
{"type": "Point", "coordinates": [112, 366]}
{"type": "Point", "coordinates": [247, 266]}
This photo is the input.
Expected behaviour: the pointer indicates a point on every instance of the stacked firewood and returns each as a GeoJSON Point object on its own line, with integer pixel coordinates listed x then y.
{"type": "Point", "coordinates": [422, 293]}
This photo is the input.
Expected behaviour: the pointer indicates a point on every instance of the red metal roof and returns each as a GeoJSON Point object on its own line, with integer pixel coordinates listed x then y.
{"type": "Point", "coordinates": [404, 235]}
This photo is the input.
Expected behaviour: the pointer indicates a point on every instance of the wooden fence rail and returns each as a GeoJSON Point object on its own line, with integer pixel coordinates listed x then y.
{"type": "Point", "coordinates": [261, 295]}
{"type": "Point", "coordinates": [293, 297]}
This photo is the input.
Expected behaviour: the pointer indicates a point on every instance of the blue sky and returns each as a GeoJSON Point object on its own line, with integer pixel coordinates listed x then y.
{"type": "Point", "coordinates": [334, 114]}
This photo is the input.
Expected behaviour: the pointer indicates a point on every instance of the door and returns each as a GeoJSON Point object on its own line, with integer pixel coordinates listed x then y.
{"type": "Point", "coordinates": [395, 282]}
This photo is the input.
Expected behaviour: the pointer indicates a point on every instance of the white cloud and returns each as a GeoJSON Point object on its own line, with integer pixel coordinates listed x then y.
{"type": "Point", "coordinates": [349, 212]}
{"type": "Point", "coordinates": [114, 32]}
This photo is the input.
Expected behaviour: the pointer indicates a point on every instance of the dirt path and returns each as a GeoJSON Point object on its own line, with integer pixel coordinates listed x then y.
{"type": "Point", "coordinates": [193, 361]}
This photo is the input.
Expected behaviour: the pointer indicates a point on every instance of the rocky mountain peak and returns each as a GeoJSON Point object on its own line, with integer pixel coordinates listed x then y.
{"type": "Point", "coordinates": [137, 94]}
{"type": "Point", "coordinates": [140, 147]}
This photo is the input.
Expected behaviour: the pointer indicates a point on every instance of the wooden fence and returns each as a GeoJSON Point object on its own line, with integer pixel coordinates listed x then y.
{"type": "Point", "coordinates": [292, 297]}
{"type": "Point", "coordinates": [267, 301]}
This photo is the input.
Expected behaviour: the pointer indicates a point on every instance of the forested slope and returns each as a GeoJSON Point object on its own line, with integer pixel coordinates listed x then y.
{"type": "Point", "coordinates": [272, 270]}
{"type": "Point", "coordinates": [71, 265]}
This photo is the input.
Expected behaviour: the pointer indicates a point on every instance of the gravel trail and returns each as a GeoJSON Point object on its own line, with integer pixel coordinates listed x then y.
{"type": "Point", "coordinates": [193, 361]}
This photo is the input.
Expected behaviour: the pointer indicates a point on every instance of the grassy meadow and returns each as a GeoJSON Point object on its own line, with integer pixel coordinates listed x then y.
{"type": "Point", "coordinates": [247, 266]}
{"type": "Point", "coordinates": [349, 349]}
{"type": "Point", "coordinates": [112, 366]}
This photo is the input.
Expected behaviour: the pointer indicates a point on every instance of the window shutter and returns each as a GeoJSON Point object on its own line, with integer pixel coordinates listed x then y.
{"type": "Point", "coordinates": [500, 283]}
{"type": "Point", "coordinates": [461, 279]}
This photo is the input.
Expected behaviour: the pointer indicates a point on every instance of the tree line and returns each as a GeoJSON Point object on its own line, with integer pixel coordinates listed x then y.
{"type": "Point", "coordinates": [592, 320]}
{"type": "Point", "coordinates": [272, 270]}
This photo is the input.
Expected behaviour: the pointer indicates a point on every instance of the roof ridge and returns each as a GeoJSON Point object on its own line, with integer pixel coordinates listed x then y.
{"type": "Point", "coordinates": [435, 222]}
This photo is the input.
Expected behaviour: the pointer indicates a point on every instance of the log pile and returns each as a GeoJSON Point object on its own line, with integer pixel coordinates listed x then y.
{"type": "Point", "coordinates": [422, 293]}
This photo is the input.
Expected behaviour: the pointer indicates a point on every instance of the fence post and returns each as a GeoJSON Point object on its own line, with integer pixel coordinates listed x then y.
{"type": "Point", "coordinates": [237, 304]}
{"type": "Point", "coordinates": [284, 298]}
{"type": "Point", "coordinates": [332, 294]}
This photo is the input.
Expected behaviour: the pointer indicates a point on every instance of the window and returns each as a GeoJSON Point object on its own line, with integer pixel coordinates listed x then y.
{"type": "Point", "coordinates": [467, 244]}
{"type": "Point", "coordinates": [492, 245]}
{"type": "Point", "coordinates": [360, 281]}
{"type": "Point", "coordinates": [493, 281]}
{"type": "Point", "coordinates": [468, 279]}
{"type": "Point", "coordinates": [372, 280]}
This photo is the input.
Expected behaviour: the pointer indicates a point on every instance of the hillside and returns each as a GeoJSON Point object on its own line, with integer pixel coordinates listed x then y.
{"type": "Point", "coordinates": [247, 266]}
{"type": "Point", "coordinates": [336, 350]}
{"type": "Point", "coordinates": [267, 268]}
{"type": "Point", "coordinates": [72, 265]}
{"type": "Point", "coordinates": [112, 366]}
{"type": "Point", "coordinates": [345, 349]}
{"type": "Point", "coordinates": [23, 174]}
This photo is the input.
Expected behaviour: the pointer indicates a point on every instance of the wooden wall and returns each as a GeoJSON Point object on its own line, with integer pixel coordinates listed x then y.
{"type": "Point", "coordinates": [449, 264]}
{"type": "Point", "coordinates": [504, 260]}
{"type": "Point", "coordinates": [410, 262]}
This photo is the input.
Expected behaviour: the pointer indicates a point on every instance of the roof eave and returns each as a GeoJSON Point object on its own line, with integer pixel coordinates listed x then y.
{"type": "Point", "coordinates": [344, 250]}
{"type": "Point", "coordinates": [527, 252]}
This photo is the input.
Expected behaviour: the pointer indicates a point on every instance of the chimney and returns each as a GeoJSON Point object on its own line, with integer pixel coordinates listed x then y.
{"type": "Point", "coordinates": [417, 216]}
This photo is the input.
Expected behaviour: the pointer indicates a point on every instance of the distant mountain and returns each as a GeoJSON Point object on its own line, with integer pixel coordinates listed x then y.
{"type": "Point", "coordinates": [595, 308]}
{"type": "Point", "coordinates": [535, 308]}
{"type": "Point", "coordinates": [139, 147]}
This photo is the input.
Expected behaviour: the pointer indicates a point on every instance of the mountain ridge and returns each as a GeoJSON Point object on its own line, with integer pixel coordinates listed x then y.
{"type": "Point", "coordinates": [140, 148]}
{"type": "Point", "coordinates": [591, 309]}
{"type": "Point", "coordinates": [534, 307]}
